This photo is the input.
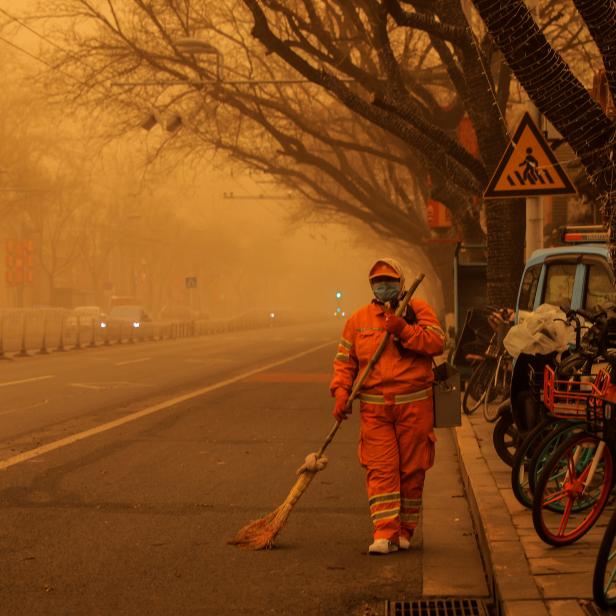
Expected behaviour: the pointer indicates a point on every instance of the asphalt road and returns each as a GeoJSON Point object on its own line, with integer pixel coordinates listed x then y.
{"type": "Point", "coordinates": [133, 518]}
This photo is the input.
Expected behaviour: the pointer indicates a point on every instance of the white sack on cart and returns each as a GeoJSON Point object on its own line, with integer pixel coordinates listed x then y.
{"type": "Point", "coordinates": [540, 333]}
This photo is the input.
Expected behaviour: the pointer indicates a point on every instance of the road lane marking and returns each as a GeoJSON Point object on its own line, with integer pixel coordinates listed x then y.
{"type": "Point", "coordinates": [25, 408]}
{"type": "Point", "coordinates": [35, 378]}
{"type": "Point", "coordinates": [133, 361]}
{"type": "Point", "coordinates": [86, 386]}
{"type": "Point", "coordinates": [291, 377]}
{"type": "Point", "coordinates": [161, 406]}
{"type": "Point", "coordinates": [108, 385]}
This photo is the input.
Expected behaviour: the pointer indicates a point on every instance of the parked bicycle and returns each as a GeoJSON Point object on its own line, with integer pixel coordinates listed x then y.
{"type": "Point", "coordinates": [549, 431]}
{"type": "Point", "coordinates": [575, 481]}
{"type": "Point", "coordinates": [491, 377]}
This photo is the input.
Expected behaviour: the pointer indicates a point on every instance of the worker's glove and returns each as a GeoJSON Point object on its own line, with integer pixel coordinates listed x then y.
{"type": "Point", "coordinates": [312, 464]}
{"type": "Point", "coordinates": [340, 411]}
{"type": "Point", "coordinates": [395, 325]}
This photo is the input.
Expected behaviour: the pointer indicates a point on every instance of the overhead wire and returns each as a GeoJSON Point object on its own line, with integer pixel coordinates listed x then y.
{"type": "Point", "coordinates": [54, 44]}
{"type": "Point", "coordinates": [23, 24]}
{"type": "Point", "coordinates": [100, 86]}
{"type": "Point", "coordinates": [27, 53]}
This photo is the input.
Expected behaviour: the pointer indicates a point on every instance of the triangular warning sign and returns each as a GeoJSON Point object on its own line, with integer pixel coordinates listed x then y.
{"type": "Point", "coordinates": [528, 168]}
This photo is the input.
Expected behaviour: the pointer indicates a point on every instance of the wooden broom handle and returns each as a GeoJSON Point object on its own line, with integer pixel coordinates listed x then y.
{"type": "Point", "coordinates": [377, 355]}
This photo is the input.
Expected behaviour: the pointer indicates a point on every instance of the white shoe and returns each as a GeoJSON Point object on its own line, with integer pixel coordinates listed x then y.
{"type": "Point", "coordinates": [404, 543]}
{"type": "Point", "coordinates": [382, 546]}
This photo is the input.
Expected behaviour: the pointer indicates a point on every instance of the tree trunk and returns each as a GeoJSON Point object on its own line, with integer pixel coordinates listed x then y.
{"type": "Point", "coordinates": [600, 17]}
{"type": "Point", "coordinates": [506, 223]}
{"type": "Point", "coordinates": [559, 95]}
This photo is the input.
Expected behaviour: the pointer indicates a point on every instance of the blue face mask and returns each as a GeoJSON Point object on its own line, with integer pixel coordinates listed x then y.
{"type": "Point", "coordinates": [386, 291]}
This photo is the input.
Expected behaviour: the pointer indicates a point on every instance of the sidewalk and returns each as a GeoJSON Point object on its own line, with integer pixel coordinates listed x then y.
{"type": "Point", "coordinates": [528, 577]}
{"type": "Point", "coordinates": [452, 564]}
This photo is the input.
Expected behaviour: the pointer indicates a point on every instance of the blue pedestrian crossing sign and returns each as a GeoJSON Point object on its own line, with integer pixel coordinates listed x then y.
{"type": "Point", "coordinates": [528, 168]}
{"type": "Point", "coordinates": [191, 282]}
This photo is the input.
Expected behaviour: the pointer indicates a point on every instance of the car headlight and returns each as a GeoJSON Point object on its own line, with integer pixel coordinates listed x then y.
{"type": "Point", "coordinates": [136, 324]}
{"type": "Point", "coordinates": [103, 325]}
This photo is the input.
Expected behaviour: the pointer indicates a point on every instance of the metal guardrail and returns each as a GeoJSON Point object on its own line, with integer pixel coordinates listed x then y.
{"type": "Point", "coordinates": [39, 331]}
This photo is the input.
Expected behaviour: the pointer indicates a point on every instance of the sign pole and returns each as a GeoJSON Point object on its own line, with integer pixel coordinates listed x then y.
{"type": "Point", "coordinates": [534, 207]}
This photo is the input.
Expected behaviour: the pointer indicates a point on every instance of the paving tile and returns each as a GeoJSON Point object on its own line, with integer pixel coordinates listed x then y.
{"type": "Point", "coordinates": [511, 501]}
{"type": "Point", "coordinates": [523, 519]}
{"type": "Point", "coordinates": [512, 572]}
{"type": "Point", "coordinates": [525, 608]}
{"type": "Point", "coordinates": [566, 585]}
{"type": "Point", "coordinates": [503, 478]}
{"type": "Point", "coordinates": [546, 565]}
{"type": "Point", "coordinates": [535, 548]}
{"type": "Point", "coordinates": [565, 608]}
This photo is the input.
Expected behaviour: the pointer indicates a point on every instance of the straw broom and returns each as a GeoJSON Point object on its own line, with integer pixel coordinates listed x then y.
{"type": "Point", "coordinates": [260, 534]}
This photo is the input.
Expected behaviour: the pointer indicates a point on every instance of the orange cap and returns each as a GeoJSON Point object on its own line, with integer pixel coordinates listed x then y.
{"type": "Point", "coordinates": [380, 268]}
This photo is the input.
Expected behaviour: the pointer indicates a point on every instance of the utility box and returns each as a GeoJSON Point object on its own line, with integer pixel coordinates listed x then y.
{"type": "Point", "coordinates": [469, 280]}
{"type": "Point", "coordinates": [447, 399]}
{"type": "Point", "coordinates": [470, 298]}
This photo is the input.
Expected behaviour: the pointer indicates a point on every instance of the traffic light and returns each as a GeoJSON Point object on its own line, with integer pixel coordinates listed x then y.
{"type": "Point", "coordinates": [19, 262]}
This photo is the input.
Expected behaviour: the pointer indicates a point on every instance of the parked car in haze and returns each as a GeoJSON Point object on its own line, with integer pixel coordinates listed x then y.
{"type": "Point", "coordinates": [178, 312]}
{"type": "Point", "coordinates": [85, 315]}
{"type": "Point", "coordinates": [133, 316]}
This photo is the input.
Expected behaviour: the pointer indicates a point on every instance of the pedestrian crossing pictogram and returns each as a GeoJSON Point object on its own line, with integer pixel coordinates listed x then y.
{"type": "Point", "coordinates": [528, 167]}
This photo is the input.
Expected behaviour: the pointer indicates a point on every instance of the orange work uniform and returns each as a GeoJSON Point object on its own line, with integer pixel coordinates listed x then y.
{"type": "Point", "coordinates": [396, 439]}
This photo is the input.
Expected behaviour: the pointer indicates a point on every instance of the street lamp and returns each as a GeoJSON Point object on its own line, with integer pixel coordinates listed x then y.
{"type": "Point", "coordinates": [196, 46]}
{"type": "Point", "coordinates": [193, 45]}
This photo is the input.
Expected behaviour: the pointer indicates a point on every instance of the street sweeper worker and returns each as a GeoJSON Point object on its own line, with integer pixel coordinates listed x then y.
{"type": "Point", "coordinates": [396, 444]}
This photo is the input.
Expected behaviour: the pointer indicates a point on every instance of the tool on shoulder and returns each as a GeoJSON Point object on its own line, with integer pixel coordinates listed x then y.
{"type": "Point", "coordinates": [260, 534]}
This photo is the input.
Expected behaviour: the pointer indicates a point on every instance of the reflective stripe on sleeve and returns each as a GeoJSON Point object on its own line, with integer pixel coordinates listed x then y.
{"type": "Point", "coordinates": [436, 330]}
{"type": "Point", "coordinates": [342, 357]}
{"type": "Point", "coordinates": [346, 344]}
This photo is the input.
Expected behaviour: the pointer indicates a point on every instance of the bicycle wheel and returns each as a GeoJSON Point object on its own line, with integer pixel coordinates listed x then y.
{"type": "Point", "coordinates": [521, 461]}
{"type": "Point", "coordinates": [506, 438]}
{"type": "Point", "coordinates": [604, 577]}
{"type": "Point", "coordinates": [497, 392]}
{"type": "Point", "coordinates": [477, 386]}
{"type": "Point", "coordinates": [566, 480]}
{"type": "Point", "coordinates": [563, 430]}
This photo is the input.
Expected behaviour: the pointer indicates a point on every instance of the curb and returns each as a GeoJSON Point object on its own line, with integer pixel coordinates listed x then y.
{"type": "Point", "coordinates": [510, 580]}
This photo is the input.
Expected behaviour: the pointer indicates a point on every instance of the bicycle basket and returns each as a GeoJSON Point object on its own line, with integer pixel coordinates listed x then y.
{"type": "Point", "coordinates": [569, 398]}
{"type": "Point", "coordinates": [601, 413]}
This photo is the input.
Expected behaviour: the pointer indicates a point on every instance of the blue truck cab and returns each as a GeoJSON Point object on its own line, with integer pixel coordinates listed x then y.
{"type": "Point", "coordinates": [577, 274]}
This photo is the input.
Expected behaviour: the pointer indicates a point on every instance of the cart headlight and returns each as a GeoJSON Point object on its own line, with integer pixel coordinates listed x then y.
{"type": "Point", "coordinates": [136, 324]}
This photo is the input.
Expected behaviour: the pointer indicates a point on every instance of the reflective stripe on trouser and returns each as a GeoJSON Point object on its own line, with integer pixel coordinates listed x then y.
{"type": "Point", "coordinates": [397, 448]}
